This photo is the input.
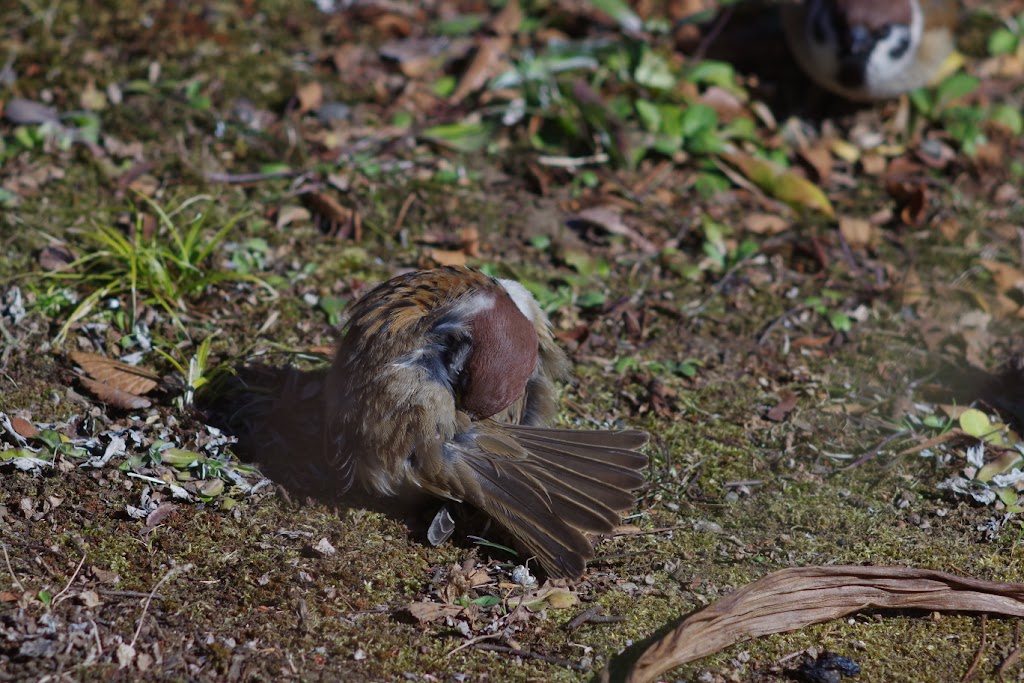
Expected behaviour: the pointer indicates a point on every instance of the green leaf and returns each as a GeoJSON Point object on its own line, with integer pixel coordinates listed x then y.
{"type": "Point", "coordinates": [621, 12]}
{"type": "Point", "coordinates": [839, 321]}
{"type": "Point", "coordinates": [45, 597]}
{"type": "Point", "coordinates": [1008, 117]}
{"type": "Point", "coordinates": [462, 137]}
{"type": "Point", "coordinates": [591, 299]}
{"type": "Point", "coordinates": [649, 114]}
{"type": "Point", "coordinates": [953, 88]}
{"type": "Point", "coordinates": [486, 601]}
{"type": "Point", "coordinates": [975, 423]}
{"type": "Point", "coordinates": [1002, 42]}
{"type": "Point", "coordinates": [654, 72]}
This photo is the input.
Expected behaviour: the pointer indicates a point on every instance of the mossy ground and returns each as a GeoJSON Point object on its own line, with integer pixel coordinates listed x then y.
{"type": "Point", "coordinates": [732, 496]}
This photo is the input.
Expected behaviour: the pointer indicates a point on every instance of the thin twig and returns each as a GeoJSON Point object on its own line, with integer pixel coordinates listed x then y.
{"type": "Point", "coordinates": [473, 641]}
{"type": "Point", "coordinates": [57, 597]}
{"type": "Point", "coordinates": [876, 450]}
{"type": "Point", "coordinates": [401, 213]}
{"type": "Point", "coordinates": [981, 650]}
{"type": "Point", "coordinates": [584, 618]}
{"type": "Point", "coordinates": [128, 594]}
{"type": "Point", "coordinates": [1011, 658]}
{"type": "Point", "coordinates": [247, 177]}
{"type": "Point", "coordinates": [531, 655]}
{"type": "Point", "coordinates": [11, 569]}
{"type": "Point", "coordinates": [173, 571]}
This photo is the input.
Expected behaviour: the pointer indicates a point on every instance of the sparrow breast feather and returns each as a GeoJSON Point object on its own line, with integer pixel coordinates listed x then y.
{"type": "Point", "coordinates": [443, 382]}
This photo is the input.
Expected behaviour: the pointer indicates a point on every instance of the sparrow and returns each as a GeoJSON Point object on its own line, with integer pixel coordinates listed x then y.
{"type": "Point", "coordinates": [444, 383]}
{"type": "Point", "coordinates": [870, 49]}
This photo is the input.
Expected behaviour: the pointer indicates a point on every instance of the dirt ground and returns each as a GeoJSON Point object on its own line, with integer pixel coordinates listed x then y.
{"type": "Point", "coordinates": [199, 190]}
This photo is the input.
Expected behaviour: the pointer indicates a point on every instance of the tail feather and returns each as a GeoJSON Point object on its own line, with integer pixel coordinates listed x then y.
{"type": "Point", "coordinates": [549, 487]}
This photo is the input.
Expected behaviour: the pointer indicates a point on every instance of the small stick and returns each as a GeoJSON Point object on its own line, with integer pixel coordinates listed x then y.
{"type": "Point", "coordinates": [531, 655]}
{"type": "Point", "coordinates": [11, 569]}
{"type": "Point", "coordinates": [981, 650]}
{"type": "Point", "coordinates": [170, 572]}
{"type": "Point", "coordinates": [876, 450]}
{"type": "Point", "coordinates": [56, 598]}
{"type": "Point", "coordinates": [129, 594]}
{"type": "Point", "coordinates": [584, 617]}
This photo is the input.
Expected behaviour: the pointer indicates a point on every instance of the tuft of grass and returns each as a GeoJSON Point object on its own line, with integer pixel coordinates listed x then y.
{"type": "Point", "coordinates": [168, 267]}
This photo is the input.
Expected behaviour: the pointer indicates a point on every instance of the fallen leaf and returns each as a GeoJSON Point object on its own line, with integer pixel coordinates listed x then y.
{"type": "Point", "coordinates": [115, 397]}
{"type": "Point", "coordinates": [131, 378]}
{"type": "Point", "coordinates": [764, 223]}
{"type": "Point", "coordinates": [56, 257]}
{"type": "Point", "coordinates": [1006, 277]}
{"type": "Point", "coordinates": [447, 257]}
{"type": "Point", "coordinates": [785, 185]}
{"type": "Point", "coordinates": [819, 159]}
{"type": "Point", "coordinates": [332, 218]}
{"type": "Point", "coordinates": [487, 63]}
{"type": "Point", "coordinates": [160, 513]}
{"type": "Point", "coordinates": [507, 21]}
{"type": "Point", "coordinates": [24, 428]}
{"type": "Point", "coordinates": [310, 96]}
{"type": "Point", "coordinates": [782, 409]}
{"type": "Point", "coordinates": [857, 232]}
{"type": "Point", "coordinates": [609, 219]}
{"type": "Point", "coordinates": [792, 598]}
{"type": "Point", "coordinates": [426, 612]}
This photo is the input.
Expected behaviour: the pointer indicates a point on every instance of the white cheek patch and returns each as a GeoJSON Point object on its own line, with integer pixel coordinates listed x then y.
{"type": "Point", "coordinates": [523, 300]}
{"type": "Point", "coordinates": [887, 76]}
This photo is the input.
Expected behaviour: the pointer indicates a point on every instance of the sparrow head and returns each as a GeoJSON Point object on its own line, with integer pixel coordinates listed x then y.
{"type": "Point", "coordinates": [503, 351]}
{"type": "Point", "coordinates": [869, 49]}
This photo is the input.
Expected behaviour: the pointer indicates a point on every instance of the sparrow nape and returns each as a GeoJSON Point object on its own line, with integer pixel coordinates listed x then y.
{"type": "Point", "coordinates": [870, 49]}
{"type": "Point", "coordinates": [444, 382]}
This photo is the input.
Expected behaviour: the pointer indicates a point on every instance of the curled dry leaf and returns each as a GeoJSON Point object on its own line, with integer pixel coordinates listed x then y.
{"type": "Point", "coordinates": [609, 219]}
{"type": "Point", "coordinates": [56, 257]}
{"type": "Point", "coordinates": [332, 217]}
{"type": "Point", "coordinates": [426, 612]}
{"type": "Point", "coordinates": [792, 598]}
{"type": "Point", "coordinates": [116, 383]}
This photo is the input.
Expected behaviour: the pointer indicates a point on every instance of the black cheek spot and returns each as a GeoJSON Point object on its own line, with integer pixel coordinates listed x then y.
{"type": "Point", "coordinates": [900, 49]}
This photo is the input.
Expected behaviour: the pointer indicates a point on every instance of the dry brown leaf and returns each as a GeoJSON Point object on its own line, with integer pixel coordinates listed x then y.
{"type": "Point", "coordinates": [1006, 277]}
{"type": "Point", "coordinates": [115, 397]}
{"type": "Point", "coordinates": [873, 164]}
{"type": "Point", "coordinates": [310, 96]}
{"type": "Point", "coordinates": [820, 160]}
{"type": "Point", "coordinates": [780, 411]}
{"type": "Point", "coordinates": [56, 257]}
{"type": "Point", "coordinates": [447, 257]}
{"type": "Point", "coordinates": [507, 21]}
{"type": "Point", "coordinates": [857, 231]}
{"type": "Point", "coordinates": [487, 62]}
{"type": "Point", "coordinates": [470, 241]}
{"type": "Point", "coordinates": [609, 218]}
{"type": "Point", "coordinates": [24, 428]}
{"type": "Point", "coordinates": [792, 598]}
{"type": "Point", "coordinates": [426, 612]}
{"type": "Point", "coordinates": [332, 217]}
{"type": "Point", "coordinates": [115, 374]}
{"type": "Point", "coordinates": [765, 223]}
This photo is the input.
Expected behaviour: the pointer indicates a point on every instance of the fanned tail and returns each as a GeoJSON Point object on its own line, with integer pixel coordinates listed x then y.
{"type": "Point", "coordinates": [549, 487]}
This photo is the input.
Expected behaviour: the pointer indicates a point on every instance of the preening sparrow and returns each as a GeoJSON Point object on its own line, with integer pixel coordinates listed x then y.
{"type": "Point", "coordinates": [870, 49]}
{"type": "Point", "coordinates": [443, 382]}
